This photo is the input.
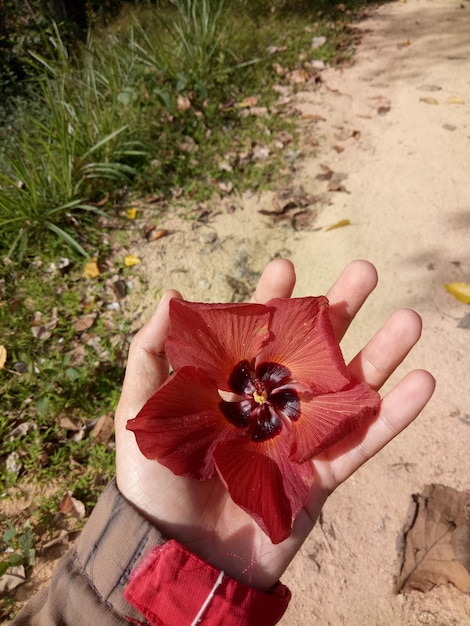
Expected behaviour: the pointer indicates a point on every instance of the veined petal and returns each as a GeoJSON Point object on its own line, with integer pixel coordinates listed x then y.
{"type": "Point", "coordinates": [181, 424]}
{"type": "Point", "coordinates": [215, 337]}
{"type": "Point", "coordinates": [262, 481]}
{"type": "Point", "coordinates": [304, 342]}
{"type": "Point", "coordinates": [328, 418]}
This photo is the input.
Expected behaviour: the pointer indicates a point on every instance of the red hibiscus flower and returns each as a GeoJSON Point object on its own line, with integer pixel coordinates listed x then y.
{"type": "Point", "coordinates": [258, 391]}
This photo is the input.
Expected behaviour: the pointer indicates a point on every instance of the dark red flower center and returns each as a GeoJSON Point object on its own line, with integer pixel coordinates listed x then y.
{"type": "Point", "coordinates": [269, 400]}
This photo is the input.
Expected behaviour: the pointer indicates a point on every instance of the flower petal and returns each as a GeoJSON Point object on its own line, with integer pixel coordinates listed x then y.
{"type": "Point", "coordinates": [215, 337]}
{"type": "Point", "coordinates": [181, 424]}
{"type": "Point", "coordinates": [262, 481]}
{"type": "Point", "coordinates": [286, 400]}
{"type": "Point", "coordinates": [240, 380]}
{"type": "Point", "coordinates": [237, 413]}
{"type": "Point", "coordinates": [304, 341]}
{"type": "Point", "coordinates": [328, 418]}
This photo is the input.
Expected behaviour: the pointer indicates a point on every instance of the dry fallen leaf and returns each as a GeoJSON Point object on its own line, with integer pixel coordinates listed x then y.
{"type": "Point", "coordinates": [427, 100]}
{"type": "Point", "coordinates": [183, 103]}
{"type": "Point", "coordinates": [3, 356]}
{"type": "Point", "coordinates": [464, 322]}
{"type": "Point", "coordinates": [22, 429]}
{"type": "Point", "coordinates": [44, 331]}
{"type": "Point", "coordinates": [187, 145]}
{"type": "Point", "coordinates": [155, 197]}
{"type": "Point", "coordinates": [13, 463]}
{"type": "Point", "coordinates": [15, 577]}
{"type": "Point", "coordinates": [72, 506]}
{"type": "Point", "coordinates": [103, 429]}
{"type": "Point", "coordinates": [335, 185]}
{"type": "Point", "coordinates": [339, 224]}
{"type": "Point", "coordinates": [103, 201]}
{"type": "Point", "coordinates": [315, 117]}
{"type": "Point", "coordinates": [120, 289]}
{"type": "Point", "coordinates": [296, 77]}
{"type": "Point", "coordinates": [383, 109]}
{"type": "Point", "coordinates": [84, 323]}
{"type": "Point", "coordinates": [130, 260]}
{"type": "Point", "coordinates": [73, 425]}
{"type": "Point", "coordinates": [225, 187]}
{"type": "Point", "coordinates": [246, 103]}
{"type": "Point", "coordinates": [279, 69]}
{"type": "Point", "coordinates": [429, 88]}
{"type": "Point", "coordinates": [77, 356]}
{"type": "Point", "coordinates": [157, 234]}
{"type": "Point", "coordinates": [254, 111]}
{"type": "Point", "coordinates": [461, 291]}
{"type": "Point", "coordinates": [55, 547]}
{"type": "Point", "coordinates": [326, 174]}
{"type": "Point", "coordinates": [436, 541]}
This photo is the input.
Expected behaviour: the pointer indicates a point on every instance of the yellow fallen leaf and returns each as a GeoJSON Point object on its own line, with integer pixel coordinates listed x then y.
{"type": "Point", "coordinates": [461, 291]}
{"type": "Point", "coordinates": [131, 260]}
{"type": "Point", "coordinates": [339, 224]}
{"type": "Point", "coordinates": [429, 100]}
{"type": "Point", "coordinates": [455, 100]}
{"type": "Point", "coordinates": [3, 356]}
{"type": "Point", "coordinates": [132, 213]}
{"type": "Point", "coordinates": [91, 269]}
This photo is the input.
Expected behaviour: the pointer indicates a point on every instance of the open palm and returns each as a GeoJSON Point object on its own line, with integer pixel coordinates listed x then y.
{"type": "Point", "coordinates": [200, 514]}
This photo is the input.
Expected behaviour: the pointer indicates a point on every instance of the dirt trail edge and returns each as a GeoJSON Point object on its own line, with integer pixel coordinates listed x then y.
{"type": "Point", "coordinates": [393, 135]}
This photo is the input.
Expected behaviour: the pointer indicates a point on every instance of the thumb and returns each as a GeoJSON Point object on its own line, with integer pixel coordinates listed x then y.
{"type": "Point", "coordinates": [147, 365]}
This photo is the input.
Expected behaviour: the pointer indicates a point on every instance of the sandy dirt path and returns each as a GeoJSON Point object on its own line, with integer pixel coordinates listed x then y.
{"type": "Point", "coordinates": [400, 120]}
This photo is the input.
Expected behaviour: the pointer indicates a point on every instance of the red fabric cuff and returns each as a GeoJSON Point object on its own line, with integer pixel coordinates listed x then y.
{"type": "Point", "coordinates": [173, 586]}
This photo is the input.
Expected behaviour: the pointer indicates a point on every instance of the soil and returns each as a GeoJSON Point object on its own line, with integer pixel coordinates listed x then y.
{"type": "Point", "coordinates": [391, 139]}
{"type": "Point", "coordinates": [391, 134]}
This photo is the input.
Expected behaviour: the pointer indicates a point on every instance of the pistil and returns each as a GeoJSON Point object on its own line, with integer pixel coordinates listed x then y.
{"type": "Point", "coordinates": [260, 395]}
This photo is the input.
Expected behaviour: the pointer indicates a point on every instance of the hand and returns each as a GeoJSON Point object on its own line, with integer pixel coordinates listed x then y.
{"type": "Point", "coordinates": [200, 514]}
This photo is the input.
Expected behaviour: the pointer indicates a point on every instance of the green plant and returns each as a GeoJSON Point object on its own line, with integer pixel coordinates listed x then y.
{"type": "Point", "coordinates": [18, 547]}
{"type": "Point", "coordinates": [189, 50]}
{"type": "Point", "coordinates": [68, 151]}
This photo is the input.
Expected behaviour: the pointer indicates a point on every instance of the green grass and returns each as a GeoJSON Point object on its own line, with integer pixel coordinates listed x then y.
{"type": "Point", "coordinates": [110, 115]}
{"type": "Point", "coordinates": [43, 381]}
{"type": "Point", "coordinates": [104, 120]}
{"type": "Point", "coordinates": [49, 383]}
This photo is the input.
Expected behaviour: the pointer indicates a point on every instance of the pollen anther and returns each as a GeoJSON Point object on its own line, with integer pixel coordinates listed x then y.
{"type": "Point", "coordinates": [260, 397]}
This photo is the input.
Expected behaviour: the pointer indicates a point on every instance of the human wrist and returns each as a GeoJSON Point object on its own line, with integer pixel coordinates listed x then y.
{"type": "Point", "coordinates": [174, 586]}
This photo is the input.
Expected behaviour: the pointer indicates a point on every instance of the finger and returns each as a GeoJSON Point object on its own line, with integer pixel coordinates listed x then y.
{"type": "Point", "coordinates": [398, 410]}
{"type": "Point", "coordinates": [349, 293]}
{"type": "Point", "coordinates": [387, 349]}
{"type": "Point", "coordinates": [147, 366]}
{"type": "Point", "coordinates": [276, 281]}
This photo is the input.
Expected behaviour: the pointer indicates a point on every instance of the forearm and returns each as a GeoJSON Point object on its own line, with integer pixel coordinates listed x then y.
{"type": "Point", "coordinates": [88, 584]}
{"type": "Point", "coordinates": [121, 555]}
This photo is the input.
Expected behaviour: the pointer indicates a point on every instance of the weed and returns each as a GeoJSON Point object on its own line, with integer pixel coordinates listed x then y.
{"type": "Point", "coordinates": [18, 547]}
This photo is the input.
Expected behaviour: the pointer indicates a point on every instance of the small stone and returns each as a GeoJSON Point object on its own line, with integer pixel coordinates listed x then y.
{"type": "Point", "coordinates": [318, 42]}
{"type": "Point", "coordinates": [204, 285]}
